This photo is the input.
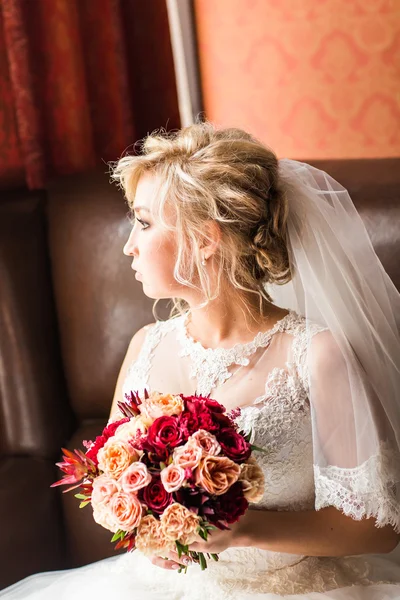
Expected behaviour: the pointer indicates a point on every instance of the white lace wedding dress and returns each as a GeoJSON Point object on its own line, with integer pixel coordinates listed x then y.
{"type": "Point", "coordinates": [267, 378]}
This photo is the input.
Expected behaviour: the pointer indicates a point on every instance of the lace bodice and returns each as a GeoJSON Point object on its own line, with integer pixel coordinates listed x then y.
{"type": "Point", "coordinates": [278, 415]}
{"type": "Point", "coordinates": [268, 378]}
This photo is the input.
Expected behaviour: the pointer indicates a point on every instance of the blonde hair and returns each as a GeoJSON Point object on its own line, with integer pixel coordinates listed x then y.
{"type": "Point", "coordinates": [227, 176]}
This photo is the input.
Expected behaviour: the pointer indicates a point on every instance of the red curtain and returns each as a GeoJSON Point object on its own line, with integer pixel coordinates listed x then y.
{"type": "Point", "coordinates": [80, 82]}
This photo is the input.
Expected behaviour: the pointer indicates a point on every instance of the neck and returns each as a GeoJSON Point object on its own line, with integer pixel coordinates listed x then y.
{"type": "Point", "coordinates": [225, 322]}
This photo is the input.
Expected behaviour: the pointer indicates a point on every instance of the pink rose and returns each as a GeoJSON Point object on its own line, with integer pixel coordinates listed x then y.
{"type": "Point", "coordinates": [126, 511]}
{"type": "Point", "coordinates": [104, 488]}
{"type": "Point", "coordinates": [135, 477]}
{"type": "Point", "coordinates": [172, 478]}
{"type": "Point", "coordinates": [206, 441]}
{"type": "Point", "coordinates": [187, 456]}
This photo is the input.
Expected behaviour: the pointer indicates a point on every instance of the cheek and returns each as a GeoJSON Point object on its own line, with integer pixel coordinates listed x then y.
{"type": "Point", "coordinates": [160, 255]}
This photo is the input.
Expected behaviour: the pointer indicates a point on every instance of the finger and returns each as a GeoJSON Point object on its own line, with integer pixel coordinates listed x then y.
{"type": "Point", "coordinates": [170, 565]}
{"type": "Point", "coordinates": [183, 560]}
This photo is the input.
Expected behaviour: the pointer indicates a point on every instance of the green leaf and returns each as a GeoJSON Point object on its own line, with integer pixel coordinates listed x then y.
{"type": "Point", "coordinates": [179, 548]}
{"type": "Point", "coordinates": [215, 557]}
{"type": "Point", "coordinates": [81, 496]}
{"type": "Point", "coordinates": [83, 504]}
{"type": "Point", "coordinates": [203, 534]}
{"type": "Point", "coordinates": [203, 562]}
{"type": "Point", "coordinates": [258, 449]}
{"type": "Point", "coordinates": [118, 535]}
{"type": "Point", "coordinates": [163, 466]}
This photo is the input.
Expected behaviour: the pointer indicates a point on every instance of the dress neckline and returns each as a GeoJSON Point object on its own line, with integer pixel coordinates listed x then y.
{"type": "Point", "coordinates": [260, 339]}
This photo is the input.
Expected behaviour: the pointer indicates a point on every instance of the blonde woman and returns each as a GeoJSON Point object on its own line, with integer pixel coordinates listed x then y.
{"type": "Point", "coordinates": [281, 308]}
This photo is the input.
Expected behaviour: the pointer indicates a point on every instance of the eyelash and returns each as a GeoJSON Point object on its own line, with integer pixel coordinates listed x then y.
{"type": "Point", "coordinates": [143, 223]}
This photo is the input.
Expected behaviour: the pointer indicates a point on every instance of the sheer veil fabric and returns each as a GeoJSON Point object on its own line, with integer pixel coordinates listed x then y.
{"type": "Point", "coordinates": [354, 367]}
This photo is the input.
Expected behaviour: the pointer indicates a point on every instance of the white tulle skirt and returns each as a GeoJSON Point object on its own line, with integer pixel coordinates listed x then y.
{"type": "Point", "coordinates": [241, 574]}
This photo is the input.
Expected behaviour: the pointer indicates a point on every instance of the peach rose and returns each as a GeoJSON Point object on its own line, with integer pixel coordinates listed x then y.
{"type": "Point", "coordinates": [179, 523]}
{"type": "Point", "coordinates": [150, 538]}
{"type": "Point", "coordinates": [172, 478]}
{"type": "Point", "coordinates": [103, 516]}
{"type": "Point", "coordinates": [253, 481]}
{"type": "Point", "coordinates": [216, 474]}
{"type": "Point", "coordinates": [126, 511]}
{"type": "Point", "coordinates": [160, 405]}
{"type": "Point", "coordinates": [131, 429]}
{"type": "Point", "coordinates": [187, 456]}
{"type": "Point", "coordinates": [115, 456]}
{"type": "Point", "coordinates": [206, 441]}
{"type": "Point", "coordinates": [104, 488]}
{"type": "Point", "coordinates": [135, 477]}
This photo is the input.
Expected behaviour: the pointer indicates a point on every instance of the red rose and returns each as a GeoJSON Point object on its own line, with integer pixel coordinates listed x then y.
{"type": "Point", "coordinates": [164, 433]}
{"type": "Point", "coordinates": [188, 424]}
{"type": "Point", "coordinates": [155, 496]}
{"type": "Point", "coordinates": [203, 413]}
{"type": "Point", "coordinates": [214, 406]}
{"type": "Point", "coordinates": [233, 445]}
{"type": "Point", "coordinates": [101, 439]}
{"type": "Point", "coordinates": [229, 507]}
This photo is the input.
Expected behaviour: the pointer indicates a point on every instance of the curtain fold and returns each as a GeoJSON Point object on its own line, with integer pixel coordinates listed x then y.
{"type": "Point", "coordinates": [73, 84]}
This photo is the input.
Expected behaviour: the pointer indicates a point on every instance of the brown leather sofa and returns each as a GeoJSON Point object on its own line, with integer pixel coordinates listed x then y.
{"type": "Point", "coordinates": [69, 305]}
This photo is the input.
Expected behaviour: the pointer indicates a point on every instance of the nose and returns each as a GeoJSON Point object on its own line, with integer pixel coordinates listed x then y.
{"type": "Point", "coordinates": [130, 248]}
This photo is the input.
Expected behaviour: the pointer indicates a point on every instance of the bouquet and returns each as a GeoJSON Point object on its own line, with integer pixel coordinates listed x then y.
{"type": "Point", "coordinates": [167, 470]}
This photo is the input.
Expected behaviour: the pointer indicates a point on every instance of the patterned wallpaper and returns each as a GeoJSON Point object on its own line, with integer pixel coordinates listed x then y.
{"type": "Point", "coordinates": [311, 78]}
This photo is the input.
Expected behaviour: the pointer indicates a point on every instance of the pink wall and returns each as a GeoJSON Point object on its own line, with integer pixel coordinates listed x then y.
{"type": "Point", "coordinates": [311, 78]}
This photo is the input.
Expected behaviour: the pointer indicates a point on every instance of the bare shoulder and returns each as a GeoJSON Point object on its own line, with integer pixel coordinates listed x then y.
{"type": "Point", "coordinates": [137, 340]}
{"type": "Point", "coordinates": [131, 355]}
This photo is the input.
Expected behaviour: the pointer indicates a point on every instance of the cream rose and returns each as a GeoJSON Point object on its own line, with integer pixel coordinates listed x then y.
{"type": "Point", "coordinates": [103, 516]}
{"type": "Point", "coordinates": [172, 478]}
{"type": "Point", "coordinates": [160, 405]}
{"type": "Point", "coordinates": [216, 474]}
{"type": "Point", "coordinates": [135, 477]}
{"type": "Point", "coordinates": [104, 488]}
{"type": "Point", "coordinates": [253, 481]}
{"type": "Point", "coordinates": [206, 441]}
{"type": "Point", "coordinates": [126, 511]}
{"type": "Point", "coordinates": [179, 523]}
{"type": "Point", "coordinates": [187, 456]}
{"type": "Point", "coordinates": [131, 429]}
{"type": "Point", "coordinates": [150, 539]}
{"type": "Point", "coordinates": [115, 456]}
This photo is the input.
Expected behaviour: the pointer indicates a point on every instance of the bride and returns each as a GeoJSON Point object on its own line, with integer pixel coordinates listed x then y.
{"type": "Point", "coordinates": [280, 308]}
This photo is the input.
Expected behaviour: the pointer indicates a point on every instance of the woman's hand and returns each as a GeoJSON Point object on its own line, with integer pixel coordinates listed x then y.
{"type": "Point", "coordinates": [219, 540]}
{"type": "Point", "coordinates": [170, 561]}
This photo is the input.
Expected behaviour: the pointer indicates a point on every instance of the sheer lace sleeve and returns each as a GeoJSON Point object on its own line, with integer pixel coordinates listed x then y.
{"type": "Point", "coordinates": [347, 475]}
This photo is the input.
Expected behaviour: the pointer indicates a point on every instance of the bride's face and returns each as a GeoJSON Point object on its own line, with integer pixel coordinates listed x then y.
{"type": "Point", "coordinates": [152, 247]}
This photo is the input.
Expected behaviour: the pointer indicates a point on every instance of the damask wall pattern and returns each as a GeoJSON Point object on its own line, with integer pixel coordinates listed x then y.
{"type": "Point", "coordinates": [311, 78]}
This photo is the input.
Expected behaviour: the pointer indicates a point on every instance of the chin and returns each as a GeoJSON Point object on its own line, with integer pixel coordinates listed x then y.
{"type": "Point", "coordinates": [154, 295]}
